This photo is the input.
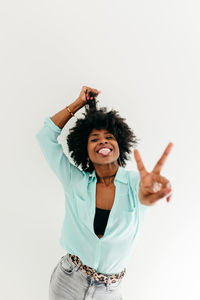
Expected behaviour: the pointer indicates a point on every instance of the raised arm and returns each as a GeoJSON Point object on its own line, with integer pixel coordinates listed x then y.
{"type": "Point", "coordinates": [52, 150]}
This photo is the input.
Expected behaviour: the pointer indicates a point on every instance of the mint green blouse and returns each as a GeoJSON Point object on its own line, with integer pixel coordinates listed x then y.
{"type": "Point", "coordinates": [111, 253]}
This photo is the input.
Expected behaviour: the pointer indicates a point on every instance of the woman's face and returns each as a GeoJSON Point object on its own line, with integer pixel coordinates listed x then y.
{"type": "Point", "coordinates": [96, 140]}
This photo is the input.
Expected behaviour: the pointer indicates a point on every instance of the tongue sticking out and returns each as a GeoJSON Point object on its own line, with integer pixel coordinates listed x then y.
{"type": "Point", "coordinates": [104, 151]}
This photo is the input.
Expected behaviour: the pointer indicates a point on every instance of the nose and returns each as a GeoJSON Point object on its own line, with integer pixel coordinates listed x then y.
{"type": "Point", "coordinates": [106, 142]}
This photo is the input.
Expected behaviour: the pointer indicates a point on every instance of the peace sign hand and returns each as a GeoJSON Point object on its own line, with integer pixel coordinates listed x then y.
{"type": "Point", "coordinates": [153, 186]}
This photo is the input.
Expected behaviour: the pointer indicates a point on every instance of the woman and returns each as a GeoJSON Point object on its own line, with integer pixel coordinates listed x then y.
{"type": "Point", "coordinates": [104, 203]}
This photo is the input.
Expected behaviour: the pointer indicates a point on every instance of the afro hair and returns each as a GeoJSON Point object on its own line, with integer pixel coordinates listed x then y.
{"type": "Point", "coordinates": [77, 138]}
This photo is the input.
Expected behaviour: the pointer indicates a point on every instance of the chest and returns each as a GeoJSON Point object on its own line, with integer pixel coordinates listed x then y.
{"type": "Point", "coordinates": [116, 198]}
{"type": "Point", "coordinates": [105, 196]}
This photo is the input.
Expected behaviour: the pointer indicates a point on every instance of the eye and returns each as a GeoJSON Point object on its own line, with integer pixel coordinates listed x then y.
{"type": "Point", "coordinates": [108, 137]}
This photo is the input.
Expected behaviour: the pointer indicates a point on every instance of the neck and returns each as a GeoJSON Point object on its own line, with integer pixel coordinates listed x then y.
{"type": "Point", "coordinates": [106, 174]}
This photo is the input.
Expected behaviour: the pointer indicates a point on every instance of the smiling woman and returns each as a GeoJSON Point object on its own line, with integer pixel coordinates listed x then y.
{"type": "Point", "coordinates": [100, 128]}
{"type": "Point", "coordinates": [103, 150]}
{"type": "Point", "coordinates": [102, 209]}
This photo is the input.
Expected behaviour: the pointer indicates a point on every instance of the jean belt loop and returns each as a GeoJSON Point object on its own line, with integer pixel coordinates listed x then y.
{"type": "Point", "coordinates": [108, 283]}
{"type": "Point", "coordinates": [77, 266]}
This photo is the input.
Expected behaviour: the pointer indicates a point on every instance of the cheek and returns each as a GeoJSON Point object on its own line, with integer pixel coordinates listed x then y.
{"type": "Point", "coordinates": [90, 149]}
{"type": "Point", "coordinates": [117, 147]}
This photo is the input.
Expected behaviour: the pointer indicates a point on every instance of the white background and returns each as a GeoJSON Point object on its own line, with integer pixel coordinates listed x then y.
{"type": "Point", "coordinates": [144, 57]}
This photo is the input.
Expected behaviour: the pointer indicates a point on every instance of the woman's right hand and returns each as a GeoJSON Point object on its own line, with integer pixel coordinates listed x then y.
{"type": "Point", "coordinates": [88, 93]}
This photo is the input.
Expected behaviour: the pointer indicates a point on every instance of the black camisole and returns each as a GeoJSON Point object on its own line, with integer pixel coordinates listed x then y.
{"type": "Point", "coordinates": [100, 220]}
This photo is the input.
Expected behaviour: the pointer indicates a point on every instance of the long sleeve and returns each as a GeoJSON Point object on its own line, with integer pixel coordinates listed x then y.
{"type": "Point", "coordinates": [54, 155]}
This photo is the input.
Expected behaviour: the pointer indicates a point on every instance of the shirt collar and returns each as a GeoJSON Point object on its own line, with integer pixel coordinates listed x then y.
{"type": "Point", "coordinates": [121, 175]}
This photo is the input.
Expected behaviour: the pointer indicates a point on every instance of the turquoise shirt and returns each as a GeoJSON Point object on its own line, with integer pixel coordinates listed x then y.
{"type": "Point", "coordinates": [111, 253]}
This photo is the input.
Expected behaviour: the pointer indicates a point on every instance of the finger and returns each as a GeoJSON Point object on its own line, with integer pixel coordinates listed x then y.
{"type": "Point", "coordinates": [93, 90]}
{"type": "Point", "coordinates": [155, 184]}
{"type": "Point", "coordinates": [160, 178]}
{"type": "Point", "coordinates": [160, 163]}
{"type": "Point", "coordinates": [168, 198]}
{"type": "Point", "coordinates": [85, 89]}
{"type": "Point", "coordinates": [159, 195]}
{"type": "Point", "coordinates": [140, 164]}
{"type": "Point", "coordinates": [96, 91]}
{"type": "Point", "coordinates": [92, 93]}
{"type": "Point", "coordinates": [157, 187]}
{"type": "Point", "coordinates": [159, 182]}
{"type": "Point", "coordinates": [89, 94]}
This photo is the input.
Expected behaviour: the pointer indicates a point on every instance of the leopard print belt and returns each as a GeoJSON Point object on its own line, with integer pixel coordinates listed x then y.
{"type": "Point", "coordinates": [97, 276]}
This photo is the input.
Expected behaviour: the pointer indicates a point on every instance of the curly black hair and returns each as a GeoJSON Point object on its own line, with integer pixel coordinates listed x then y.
{"type": "Point", "coordinates": [77, 139]}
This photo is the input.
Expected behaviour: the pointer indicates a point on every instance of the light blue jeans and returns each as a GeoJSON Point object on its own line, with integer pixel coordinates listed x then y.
{"type": "Point", "coordinates": [68, 282]}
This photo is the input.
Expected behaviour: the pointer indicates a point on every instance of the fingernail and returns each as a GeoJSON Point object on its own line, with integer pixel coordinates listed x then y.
{"type": "Point", "coordinates": [157, 187]}
{"type": "Point", "coordinates": [168, 198]}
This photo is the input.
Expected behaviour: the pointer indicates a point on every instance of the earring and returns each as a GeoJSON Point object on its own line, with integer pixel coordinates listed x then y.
{"type": "Point", "coordinates": [120, 162]}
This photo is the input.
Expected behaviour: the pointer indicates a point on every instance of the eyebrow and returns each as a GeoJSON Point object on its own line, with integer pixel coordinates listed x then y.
{"type": "Point", "coordinates": [98, 133]}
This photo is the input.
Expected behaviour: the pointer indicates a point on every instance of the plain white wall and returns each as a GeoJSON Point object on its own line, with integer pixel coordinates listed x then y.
{"type": "Point", "coordinates": [144, 57]}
